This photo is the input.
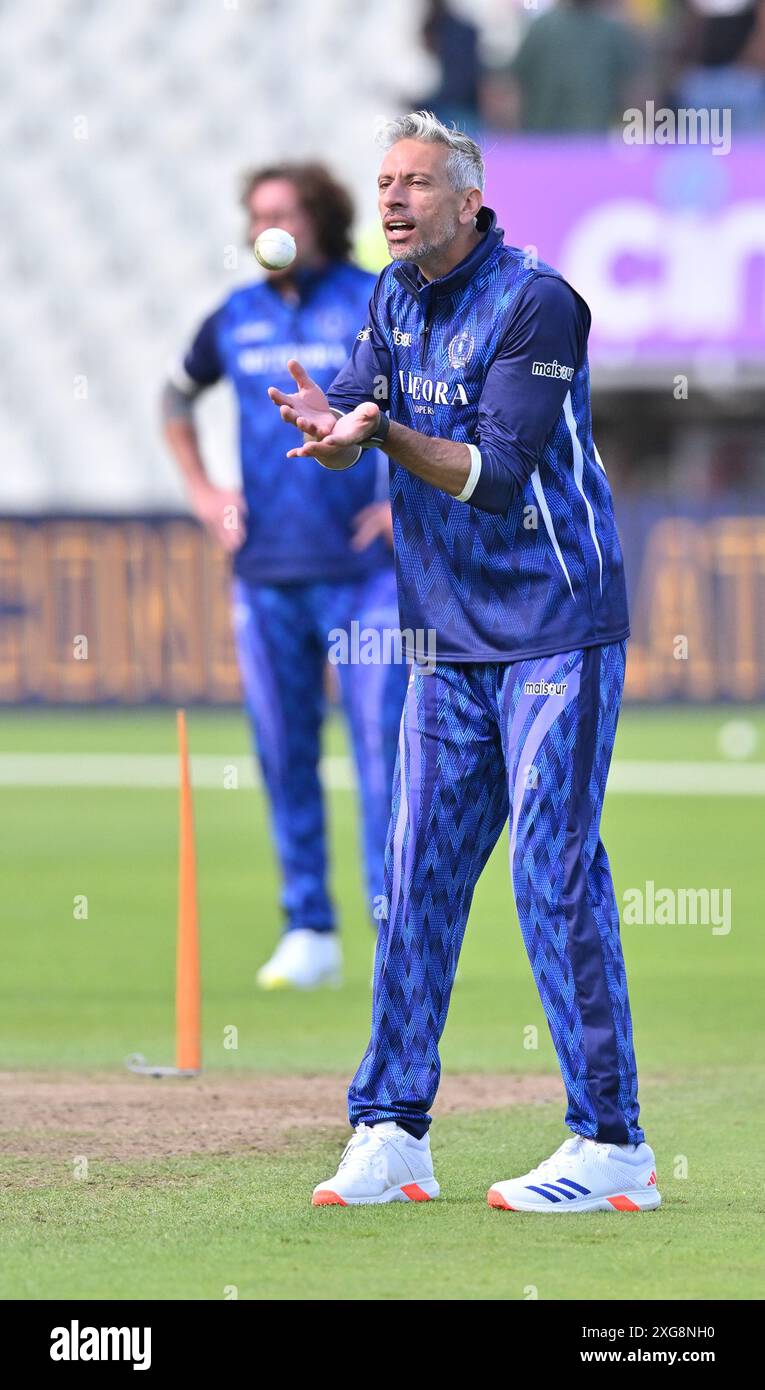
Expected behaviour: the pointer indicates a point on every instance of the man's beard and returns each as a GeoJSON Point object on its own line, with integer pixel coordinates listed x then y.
{"type": "Point", "coordinates": [440, 237]}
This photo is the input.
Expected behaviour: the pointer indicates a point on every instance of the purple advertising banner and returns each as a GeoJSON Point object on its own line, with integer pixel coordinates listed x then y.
{"type": "Point", "coordinates": [666, 244]}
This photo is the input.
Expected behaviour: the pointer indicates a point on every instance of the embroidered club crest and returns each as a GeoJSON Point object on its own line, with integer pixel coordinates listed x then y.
{"type": "Point", "coordinates": [461, 349]}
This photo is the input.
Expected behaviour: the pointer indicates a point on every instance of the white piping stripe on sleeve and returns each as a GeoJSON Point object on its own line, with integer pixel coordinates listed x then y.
{"type": "Point", "coordinates": [568, 411]}
{"type": "Point", "coordinates": [598, 459]}
{"type": "Point", "coordinates": [181, 379]}
{"type": "Point", "coordinates": [473, 475]}
{"type": "Point", "coordinates": [536, 483]}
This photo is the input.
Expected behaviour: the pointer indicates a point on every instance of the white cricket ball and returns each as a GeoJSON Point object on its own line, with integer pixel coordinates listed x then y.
{"type": "Point", "coordinates": [275, 249]}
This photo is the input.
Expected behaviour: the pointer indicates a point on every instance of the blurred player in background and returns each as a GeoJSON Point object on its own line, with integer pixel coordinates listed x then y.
{"type": "Point", "coordinates": [311, 550]}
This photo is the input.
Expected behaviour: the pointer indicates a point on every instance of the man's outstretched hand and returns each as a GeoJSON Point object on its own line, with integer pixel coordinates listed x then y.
{"type": "Point", "coordinates": [308, 407]}
{"type": "Point", "coordinates": [330, 439]}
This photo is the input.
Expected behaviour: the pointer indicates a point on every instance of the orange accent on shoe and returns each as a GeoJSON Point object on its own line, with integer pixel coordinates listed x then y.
{"type": "Point", "coordinates": [414, 1192]}
{"type": "Point", "coordinates": [495, 1199]}
{"type": "Point", "coordinates": [652, 1179]}
{"type": "Point", "coordinates": [623, 1203]}
{"type": "Point", "coordinates": [326, 1198]}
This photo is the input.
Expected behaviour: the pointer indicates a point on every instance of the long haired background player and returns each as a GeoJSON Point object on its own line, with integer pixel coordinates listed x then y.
{"type": "Point", "coordinates": [471, 373]}
{"type": "Point", "coordinates": [311, 551]}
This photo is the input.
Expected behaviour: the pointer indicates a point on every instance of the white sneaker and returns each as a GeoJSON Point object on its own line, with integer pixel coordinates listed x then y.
{"type": "Point", "coordinates": [584, 1175]}
{"type": "Point", "coordinates": [380, 1163]}
{"type": "Point", "coordinates": [303, 959]}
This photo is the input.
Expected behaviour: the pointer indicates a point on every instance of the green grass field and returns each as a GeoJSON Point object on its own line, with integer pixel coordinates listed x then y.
{"type": "Point", "coordinates": [79, 995]}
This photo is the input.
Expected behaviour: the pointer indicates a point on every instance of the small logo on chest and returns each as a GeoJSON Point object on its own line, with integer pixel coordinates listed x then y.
{"type": "Point", "coordinates": [253, 332]}
{"type": "Point", "coordinates": [461, 349]}
{"type": "Point", "coordinates": [402, 339]}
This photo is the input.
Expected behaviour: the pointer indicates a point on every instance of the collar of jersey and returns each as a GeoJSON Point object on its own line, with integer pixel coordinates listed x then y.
{"type": "Point", "coordinates": [412, 279]}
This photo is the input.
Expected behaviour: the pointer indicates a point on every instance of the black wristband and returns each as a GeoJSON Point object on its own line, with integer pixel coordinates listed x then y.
{"type": "Point", "coordinates": [380, 435]}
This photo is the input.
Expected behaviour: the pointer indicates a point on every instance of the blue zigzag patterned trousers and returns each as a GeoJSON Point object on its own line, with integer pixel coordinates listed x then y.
{"type": "Point", "coordinates": [478, 743]}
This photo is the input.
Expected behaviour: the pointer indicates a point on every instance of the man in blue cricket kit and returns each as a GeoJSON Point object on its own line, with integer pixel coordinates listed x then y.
{"type": "Point", "coordinates": [471, 374]}
{"type": "Point", "coordinates": [311, 550]}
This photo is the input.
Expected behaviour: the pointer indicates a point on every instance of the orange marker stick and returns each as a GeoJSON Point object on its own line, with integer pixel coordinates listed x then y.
{"type": "Point", "coordinates": [187, 980]}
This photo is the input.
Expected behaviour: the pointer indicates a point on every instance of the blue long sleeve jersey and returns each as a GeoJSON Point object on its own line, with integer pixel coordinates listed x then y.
{"type": "Point", "coordinates": [526, 562]}
{"type": "Point", "coordinates": [299, 523]}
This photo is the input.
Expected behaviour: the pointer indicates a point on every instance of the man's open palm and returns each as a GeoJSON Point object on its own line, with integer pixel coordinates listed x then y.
{"type": "Point", "coordinates": [308, 407]}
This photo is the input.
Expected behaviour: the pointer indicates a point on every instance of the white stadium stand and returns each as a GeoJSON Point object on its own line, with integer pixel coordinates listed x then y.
{"type": "Point", "coordinates": [125, 128]}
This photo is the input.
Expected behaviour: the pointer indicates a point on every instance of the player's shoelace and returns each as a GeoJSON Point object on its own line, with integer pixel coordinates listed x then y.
{"type": "Point", "coordinates": [363, 1146]}
{"type": "Point", "coordinates": [570, 1149]}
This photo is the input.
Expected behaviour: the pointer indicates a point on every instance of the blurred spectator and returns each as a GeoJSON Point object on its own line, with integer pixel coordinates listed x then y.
{"type": "Point", "coordinates": [722, 49]}
{"type": "Point", "coordinates": [576, 71]}
{"type": "Point", "coordinates": [454, 43]}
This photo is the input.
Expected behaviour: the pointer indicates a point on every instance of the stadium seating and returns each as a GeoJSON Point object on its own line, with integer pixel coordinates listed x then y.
{"type": "Point", "coordinates": [125, 129]}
